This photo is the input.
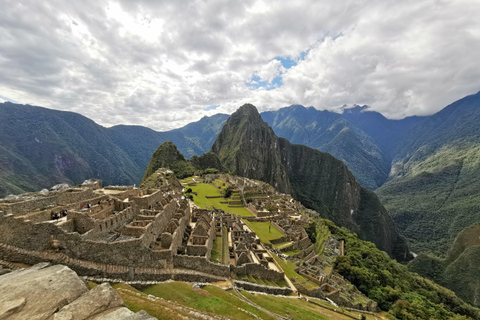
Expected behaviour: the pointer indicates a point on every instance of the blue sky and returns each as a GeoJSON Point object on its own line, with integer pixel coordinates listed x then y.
{"type": "Point", "coordinates": [256, 82]}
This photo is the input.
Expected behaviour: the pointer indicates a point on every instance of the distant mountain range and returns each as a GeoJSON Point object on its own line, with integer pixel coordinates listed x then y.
{"type": "Point", "coordinates": [40, 147]}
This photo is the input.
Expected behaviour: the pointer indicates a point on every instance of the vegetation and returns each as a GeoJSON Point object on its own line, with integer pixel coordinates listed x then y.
{"type": "Point", "coordinates": [289, 269]}
{"type": "Point", "coordinates": [216, 249]}
{"type": "Point", "coordinates": [388, 282]}
{"type": "Point", "coordinates": [265, 231]}
{"type": "Point", "coordinates": [205, 190]}
{"type": "Point", "coordinates": [209, 299]}
{"type": "Point", "coordinates": [460, 269]}
{"type": "Point", "coordinates": [248, 147]}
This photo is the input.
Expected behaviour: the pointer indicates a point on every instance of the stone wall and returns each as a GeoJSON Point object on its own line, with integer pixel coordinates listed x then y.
{"type": "Point", "coordinates": [259, 271]}
{"type": "Point", "coordinates": [201, 264]}
{"type": "Point", "coordinates": [37, 237]}
{"type": "Point", "coordinates": [149, 200]}
{"type": "Point", "coordinates": [23, 207]}
{"type": "Point", "coordinates": [52, 199]}
{"type": "Point", "coordinates": [161, 221]}
{"type": "Point", "coordinates": [284, 291]}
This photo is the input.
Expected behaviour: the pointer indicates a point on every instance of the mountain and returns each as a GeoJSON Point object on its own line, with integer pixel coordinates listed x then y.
{"type": "Point", "coordinates": [40, 147]}
{"type": "Point", "coordinates": [362, 138]}
{"type": "Point", "coordinates": [433, 190]}
{"type": "Point", "coordinates": [460, 269]}
{"type": "Point", "coordinates": [247, 146]}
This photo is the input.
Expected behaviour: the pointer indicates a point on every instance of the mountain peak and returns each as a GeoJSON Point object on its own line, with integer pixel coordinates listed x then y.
{"type": "Point", "coordinates": [247, 110]}
{"type": "Point", "coordinates": [354, 109]}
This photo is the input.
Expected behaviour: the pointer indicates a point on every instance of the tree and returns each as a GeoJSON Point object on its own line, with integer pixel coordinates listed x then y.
{"type": "Point", "coordinates": [228, 192]}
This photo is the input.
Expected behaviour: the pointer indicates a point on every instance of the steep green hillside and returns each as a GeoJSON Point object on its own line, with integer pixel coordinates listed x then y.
{"type": "Point", "coordinates": [460, 270]}
{"type": "Point", "coordinates": [40, 148]}
{"type": "Point", "coordinates": [362, 138]}
{"type": "Point", "coordinates": [405, 294]}
{"type": "Point", "coordinates": [434, 188]}
{"type": "Point", "coordinates": [248, 147]}
{"type": "Point", "coordinates": [168, 156]}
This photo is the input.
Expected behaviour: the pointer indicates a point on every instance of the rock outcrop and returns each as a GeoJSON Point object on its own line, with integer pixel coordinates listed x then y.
{"type": "Point", "coordinates": [57, 293]}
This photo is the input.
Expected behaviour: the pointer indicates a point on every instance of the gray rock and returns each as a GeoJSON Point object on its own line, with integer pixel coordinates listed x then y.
{"type": "Point", "coordinates": [7, 308]}
{"type": "Point", "coordinates": [60, 187]}
{"type": "Point", "coordinates": [45, 289]}
{"type": "Point", "coordinates": [125, 314]}
{"type": "Point", "coordinates": [95, 301]}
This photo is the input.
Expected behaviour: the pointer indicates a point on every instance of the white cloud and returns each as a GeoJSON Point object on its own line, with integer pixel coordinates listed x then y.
{"type": "Point", "coordinates": [161, 64]}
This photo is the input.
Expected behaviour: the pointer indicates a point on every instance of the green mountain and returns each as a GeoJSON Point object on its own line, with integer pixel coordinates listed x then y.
{"type": "Point", "coordinates": [248, 147]}
{"type": "Point", "coordinates": [168, 156]}
{"type": "Point", "coordinates": [433, 191]}
{"type": "Point", "coordinates": [460, 269]}
{"type": "Point", "coordinates": [365, 140]}
{"type": "Point", "coordinates": [40, 147]}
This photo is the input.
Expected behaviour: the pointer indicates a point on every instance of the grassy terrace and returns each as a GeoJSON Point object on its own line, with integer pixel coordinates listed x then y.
{"type": "Point", "coordinates": [175, 296]}
{"type": "Point", "coordinates": [322, 236]}
{"type": "Point", "coordinates": [214, 300]}
{"type": "Point", "coordinates": [205, 189]}
{"type": "Point", "coordinates": [282, 245]}
{"type": "Point", "coordinates": [225, 252]}
{"type": "Point", "coordinates": [209, 299]}
{"type": "Point", "coordinates": [261, 229]}
{"type": "Point", "coordinates": [216, 250]}
{"type": "Point", "coordinates": [289, 269]}
{"type": "Point", "coordinates": [251, 279]}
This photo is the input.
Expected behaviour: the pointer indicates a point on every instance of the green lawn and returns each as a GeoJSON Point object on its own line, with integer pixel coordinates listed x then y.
{"type": "Point", "coordinates": [214, 300]}
{"type": "Point", "coordinates": [225, 253]}
{"type": "Point", "coordinates": [295, 308]}
{"type": "Point", "coordinates": [261, 229]}
{"type": "Point", "coordinates": [291, 252]}
{"type": "Point", "coordinates": [209, 299]}
{"type": "Point", "coordinates": [216, 249]}
{"type": "Point", "coordinates": [283, 245]}
{"type": "Point", "coordinates": [205, 189]}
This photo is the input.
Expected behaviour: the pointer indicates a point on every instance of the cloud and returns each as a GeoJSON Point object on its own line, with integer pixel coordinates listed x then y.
{"type": "Point", "coordinates": [163, 64]}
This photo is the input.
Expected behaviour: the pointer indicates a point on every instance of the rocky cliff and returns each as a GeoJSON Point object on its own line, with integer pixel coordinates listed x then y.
{"type": "Point", "coordinates": [248, 147]}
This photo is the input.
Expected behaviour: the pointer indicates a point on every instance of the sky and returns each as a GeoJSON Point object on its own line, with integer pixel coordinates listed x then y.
{"type": "Point", "coordinates": [163, 64]}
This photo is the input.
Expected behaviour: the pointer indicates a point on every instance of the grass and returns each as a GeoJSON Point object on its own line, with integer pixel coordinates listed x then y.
{"type": "Point", "coordinates": [322, 233]}
{"type": "Point", "coordinates": [179, 300]}
{"type": "Point", "coordinates": [289, 269]}
{"type": "Point", "coordinates": [291, 252]}
{"type": "Point", "coordinates": [205, 189]}
{"type": "Point", "coordinates": [224, 249]}
{"type": "Point", "coordinates": [216, 249]}
{"type": "Point", "coordinates": [209, 299]}
{"type": "Point", "coordinates": [262, 231]}
{"type": "Point", "coordinates": [283, 245]}
{"type": "Point", "coordinates": [295, 308]}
